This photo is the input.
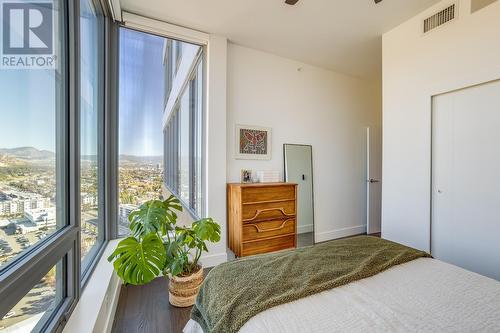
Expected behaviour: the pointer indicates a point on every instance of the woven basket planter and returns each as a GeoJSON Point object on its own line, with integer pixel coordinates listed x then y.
{"type": "Point", "coordinates": [182, 290]}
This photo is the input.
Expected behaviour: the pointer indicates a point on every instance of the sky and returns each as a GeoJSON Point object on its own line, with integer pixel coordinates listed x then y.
{"type": "Point", "coordinates": [27, 104]}
{"type": "Point", "coordinates": [28, 100]}
{"type": "Point", "coordinates": [141, 93]}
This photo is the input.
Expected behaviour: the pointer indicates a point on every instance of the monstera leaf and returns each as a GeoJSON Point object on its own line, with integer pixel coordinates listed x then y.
{"type": "Point", "coordinates": [150, 217]}
{"type": "Point", "coordinates": [207, 230]}
{"type": "Point", "coordinates": [171, 204]}
{"type": "Point", "coordinates": [139, 262]}
{"type": "Point", "coordinates": [154, 216]}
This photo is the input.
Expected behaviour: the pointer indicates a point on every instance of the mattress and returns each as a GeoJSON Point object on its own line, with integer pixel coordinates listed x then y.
{"type": "Point", "coordinates": [424, 295]}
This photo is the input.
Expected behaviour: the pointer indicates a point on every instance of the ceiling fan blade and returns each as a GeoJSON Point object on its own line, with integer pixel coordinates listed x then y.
{"type": "Point", "coordinates": [291, 2]}
{"type": "Point", "coordinates": [378, 1]}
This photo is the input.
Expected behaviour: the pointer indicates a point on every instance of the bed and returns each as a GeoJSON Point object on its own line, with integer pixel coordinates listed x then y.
{"type": "Point", "coordinates": [421, 295]}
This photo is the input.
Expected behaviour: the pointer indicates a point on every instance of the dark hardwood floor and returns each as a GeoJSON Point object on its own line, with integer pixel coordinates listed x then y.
{"type": "Point", "coordinates": [145, 309]}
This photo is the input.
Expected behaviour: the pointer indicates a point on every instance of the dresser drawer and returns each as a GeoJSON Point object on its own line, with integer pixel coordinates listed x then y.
{"type": "Point", "coordinates": [259, 230]}
{"type": "Point", "coordinates": [268, 211]}
{"type": "Point", "coordinates": [267, 193]}
{"type": "Point", "coordinates": [262, 217]}
{"type": "Point", "coordinates": [268, 245]}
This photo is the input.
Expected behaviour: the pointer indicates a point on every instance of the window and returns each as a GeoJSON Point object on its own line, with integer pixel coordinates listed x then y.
{"type": "Point", "coordinates": [35, 226]}
{"type": "Point", "coordinates": [51, 159]}
{"type": "Point", "coordinates": [58, 149]}
{"type": "Point", "coordinates": [141, 105]}
{"type": "Point", "coordinates": [91, 132]}
{"type": "Point", "coordinates": [32, 154]}
{"type": "Point", "coordinates": [183, 136]}
{"type": "Point", "coordinates": [35, 309]}
{"type": "Point", "coordinates": [160, 122]}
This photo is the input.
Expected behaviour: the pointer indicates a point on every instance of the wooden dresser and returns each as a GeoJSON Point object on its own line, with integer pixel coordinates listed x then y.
{"type": "Point", "coordinates": [261, 217]}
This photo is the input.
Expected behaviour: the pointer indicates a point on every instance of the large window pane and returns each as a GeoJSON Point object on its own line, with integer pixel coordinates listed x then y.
{"type": "Point", "coordinates": [36, 308]}
{"type": "Point", "coordinates": [141, 102]}
{"type": "Point", "coordinates": [32, 137]}
{"type": "Point", "coordinates": [184, 146]}
{"type": "Point", "coordinates": [183, 129]}
{"type": "Point", "coordinates": [91, 106]}
{"type": "Point", "coordinates": [160, 122]}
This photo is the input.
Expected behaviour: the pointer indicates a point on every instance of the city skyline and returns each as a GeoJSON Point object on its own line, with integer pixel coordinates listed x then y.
{"type": "Point", "coordinates": [51, 151]}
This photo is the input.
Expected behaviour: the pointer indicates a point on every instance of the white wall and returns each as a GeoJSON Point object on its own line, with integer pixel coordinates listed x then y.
{"type": "Point", "coordinates": [313, 106]}
{"type": "Point", "coordinates": [416, 67]}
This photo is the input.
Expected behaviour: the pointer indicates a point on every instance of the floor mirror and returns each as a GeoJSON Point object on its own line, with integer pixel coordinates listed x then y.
{"type": "Point", "coordinates": [298, 168]}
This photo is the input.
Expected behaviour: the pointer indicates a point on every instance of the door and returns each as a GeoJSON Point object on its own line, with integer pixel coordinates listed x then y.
{"type": "Point", "coordinates": [298, 169]}
{"type": "Point", "coordinates": [373, 180]}
{"type": "Point", "coordinates": [465, 226]}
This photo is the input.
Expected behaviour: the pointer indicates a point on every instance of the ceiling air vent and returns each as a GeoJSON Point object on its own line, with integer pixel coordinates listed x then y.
{"type": "Point", "coordinates": [440, 18]}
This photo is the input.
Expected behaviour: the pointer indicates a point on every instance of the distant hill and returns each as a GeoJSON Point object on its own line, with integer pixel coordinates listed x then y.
{"type": "Point", "coordinates": [28, 153]}
{"type": "Point", "coordinates": [33, 154]}
{"type": "Point", "coordinates": [6, 161]}
{"type": "Point", "coordinates": [141, 159]}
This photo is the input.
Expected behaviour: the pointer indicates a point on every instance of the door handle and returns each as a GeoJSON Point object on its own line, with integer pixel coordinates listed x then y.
{"type": "Point", "coordinates": [371, 181]}
{"type": "Point", "coordinates": [303, 177]}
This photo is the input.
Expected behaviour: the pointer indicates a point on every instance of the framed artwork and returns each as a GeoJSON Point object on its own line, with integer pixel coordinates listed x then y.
{"type": "Point", "coordinates": [253, 142]}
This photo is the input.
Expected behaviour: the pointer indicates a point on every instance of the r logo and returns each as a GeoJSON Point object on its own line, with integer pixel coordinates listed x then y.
{"type": "Point", "coordinates": [27, 28]}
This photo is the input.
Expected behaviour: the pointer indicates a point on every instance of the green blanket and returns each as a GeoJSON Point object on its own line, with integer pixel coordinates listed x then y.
{"type": "Point", "coordinates": [236, 291]}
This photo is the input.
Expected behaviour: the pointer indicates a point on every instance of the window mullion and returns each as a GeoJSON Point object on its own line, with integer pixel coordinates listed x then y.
{"type": "Point", "coordinates": [192, 141]}
{"type": "Point", "coordinates": [74, 269]}
{"type": "Point", "coordinates": [111, 133]}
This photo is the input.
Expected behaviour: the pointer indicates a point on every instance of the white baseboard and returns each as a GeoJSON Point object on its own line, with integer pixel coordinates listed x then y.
{"type": "Point", "coordinates": [302, 229]}
{"type": "Point", "coordinates": [213, 260]}
{"type": "Point", "coordinates": [339, 233]}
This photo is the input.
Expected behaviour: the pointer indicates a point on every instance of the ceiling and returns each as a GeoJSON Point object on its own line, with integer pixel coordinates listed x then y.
{"type": "Point", "coordinates": [341, 35]}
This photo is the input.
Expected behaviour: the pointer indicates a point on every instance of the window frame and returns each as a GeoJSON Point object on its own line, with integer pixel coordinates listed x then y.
{"type": "Point", "coordinates": [177, 35]}
{"type": "Point", "coordinates": [202, 39]}
{"type": "Point", "coordinates": [173, 119]}
{"type": "Point", "coordinates": [21, 275]}
{"type": "Point", "coordinates": [107, 161]}
{"type": "Point", "coordinates": [26, 271]}
{"type": "Point", "coordinates": [198, 121]}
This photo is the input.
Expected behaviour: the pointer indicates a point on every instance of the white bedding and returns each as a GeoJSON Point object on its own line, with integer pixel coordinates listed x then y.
{"type": "Point", "coordinates": [424, 295]}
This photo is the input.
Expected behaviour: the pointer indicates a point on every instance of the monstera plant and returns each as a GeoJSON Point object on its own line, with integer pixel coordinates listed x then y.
{"type": "Point", "coordinates": [157, 245]}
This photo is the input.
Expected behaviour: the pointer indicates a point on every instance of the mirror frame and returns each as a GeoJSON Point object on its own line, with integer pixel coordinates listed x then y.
{"type": "Point", "coordinates": [285, 179]}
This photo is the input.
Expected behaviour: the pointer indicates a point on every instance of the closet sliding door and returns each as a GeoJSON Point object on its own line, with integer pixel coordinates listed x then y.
{"type": "Point", "coordinates": [465, 226]}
